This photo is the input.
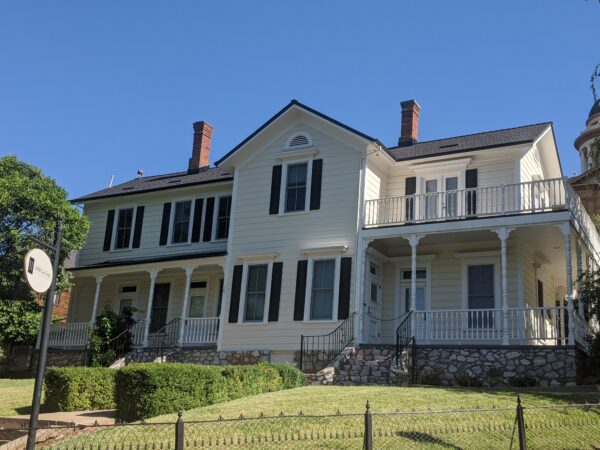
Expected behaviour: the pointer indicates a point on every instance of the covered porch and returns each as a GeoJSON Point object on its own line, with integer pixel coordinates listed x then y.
{"type": "Point", "coordinates": [175, 303]}
{"type": "Point", "coordinates": [501, 286]}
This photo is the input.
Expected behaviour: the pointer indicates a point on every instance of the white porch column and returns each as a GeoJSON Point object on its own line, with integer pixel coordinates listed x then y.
{"type": "Point", "coordinates": [503, 234]}
{"type": "Point", "coordinates": [566, 231]}
{"type": "Point", "coordinates": [99, 279]}
{"type": "Point", "coordinates": [189, 270]}
{"type": "Point", "coordinates": [153, 273]}
{"type": "Point", "coordinates": [362, 274]}
{"type": "Point", "coordinates": [579, 272]}
{"type": "Point", "coordinates": [413, 240]}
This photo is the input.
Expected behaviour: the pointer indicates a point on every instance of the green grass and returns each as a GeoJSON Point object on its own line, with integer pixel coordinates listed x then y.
{"type": "Point", "coordinates": [15, 396]}
{"type": "Point", "coordinates": [547, 428]}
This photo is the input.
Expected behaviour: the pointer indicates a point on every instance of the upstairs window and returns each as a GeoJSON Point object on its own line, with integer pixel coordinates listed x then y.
{"type": "Point", "coordinates": [124, 226]}
{"type": "Point", "coordinates": [181, 222]}
{"type": "Point", "coordinates": [223, 215]}
{"type": "Point", "coordinates": [295, 189]}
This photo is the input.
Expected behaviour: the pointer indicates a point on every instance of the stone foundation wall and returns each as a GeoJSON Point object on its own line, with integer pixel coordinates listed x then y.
{"type": "Point", "coordinates": [64, 358]}
{"type": "Point", "coordinates": [207, 356]}
{"type": "Point", "coordinates": [497, 367]}
{"type": "Point", "coordinates": [368, 365]}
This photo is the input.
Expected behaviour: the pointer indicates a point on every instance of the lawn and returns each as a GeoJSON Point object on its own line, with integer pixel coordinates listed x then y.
{"type": "Point", "coordinates": [15, 396]}
{"type": "Point", "coordinates": [490, 426]}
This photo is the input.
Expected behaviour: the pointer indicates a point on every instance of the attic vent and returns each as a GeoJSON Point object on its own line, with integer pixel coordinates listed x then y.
{"type": "Point", "coordinates": [448, 145]}
{"type": "Point", "coordinates": [299, 140]}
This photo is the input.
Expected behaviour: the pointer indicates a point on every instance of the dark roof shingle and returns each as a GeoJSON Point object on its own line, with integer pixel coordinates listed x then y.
{"type": "Point", "coordinates": [158, 183]}
{"type": "Point", "coordinates": [479, 141]}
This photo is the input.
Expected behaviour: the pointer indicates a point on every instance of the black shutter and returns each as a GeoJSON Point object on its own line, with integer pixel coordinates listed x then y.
{"type": "Point", "coordinates": [208, 219]}
{"type": "Point", "coordinates": [139, 222]}
{"type": "Point", "coordinates": [236, 287]}
{"type": "Point", "coordinates": [220, 297]}
{"type": "Point", "coordinates": [470, 183]}
{"type": "Point", "coordinates": [344, 291]}
{"type": "Point", "coordinates": [110, 220]}
{"type": "Point", "coordinates": [164, 228]}
{"type": "Point", "coordinates": [275, 292]}
{"type": "Point", "coordinates": [197, 219]}
{"type": "Point", "coordinates": [410, 188]}
{"type": "Point", "coordinates": [275, 187]}
{"type": "Point", "coordinates": [315, 184]}
{"type": "Point", "coordinates": [300, 290]}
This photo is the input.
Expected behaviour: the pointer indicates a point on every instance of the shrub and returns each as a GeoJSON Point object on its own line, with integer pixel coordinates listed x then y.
{"type": "Point", "coordinates": [291, 376]}
{"type": "Point", "coordinates": [79, 388]}
{"type": "Point", "coordinates": [242, 381]}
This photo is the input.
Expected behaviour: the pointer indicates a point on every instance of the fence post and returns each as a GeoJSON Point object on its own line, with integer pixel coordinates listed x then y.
{"type": "Point", "coordinates": [179, 431]}
{"type": "Point", "coordinates": [368, 441]}
{"type": "Point", "coordinates": [521, 425]}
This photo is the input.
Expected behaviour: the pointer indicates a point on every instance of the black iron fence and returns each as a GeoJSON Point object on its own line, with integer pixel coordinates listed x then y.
{"type": "Point", "coordinates": [520, 427]}
{"type": "Point", "coordinates": [317, 352]}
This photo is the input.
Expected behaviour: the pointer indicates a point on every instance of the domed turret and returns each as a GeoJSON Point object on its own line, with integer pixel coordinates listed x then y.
{"type": "Point", "coordinates": [587, 142]}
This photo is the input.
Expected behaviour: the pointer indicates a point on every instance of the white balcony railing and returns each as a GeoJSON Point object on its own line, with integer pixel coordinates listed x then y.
{"type": "Point", "coordinates": [201, 330]}
{"type": "Point", "coordinates": [68, 335]}
{"type": "Point", "coordinates": [541, 326]}
{"type": "Point", "coordinates": [528, 197]}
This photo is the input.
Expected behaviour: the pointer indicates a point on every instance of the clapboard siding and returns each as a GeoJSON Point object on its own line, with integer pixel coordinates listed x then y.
{"type": "Point", "coordinates": [149, 245]}
{"type": "Point", "coordinates": [531, 165]}
{"type": "Point", "coordinates": [255, 231]}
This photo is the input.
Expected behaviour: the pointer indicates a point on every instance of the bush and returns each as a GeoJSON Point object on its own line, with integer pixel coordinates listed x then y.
{"type": "Point", "coordinates": [291, 376]}
{"type": "Point", "coordinates": [79, 388]}
{"type": "Point", "coordinates": [147, 390]}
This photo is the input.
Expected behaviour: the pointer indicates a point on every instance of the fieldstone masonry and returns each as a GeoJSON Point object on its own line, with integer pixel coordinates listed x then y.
{"type": "Point", "coordinates": [498, 366]}
{"type": "Point", "coordinates": [63, 358]}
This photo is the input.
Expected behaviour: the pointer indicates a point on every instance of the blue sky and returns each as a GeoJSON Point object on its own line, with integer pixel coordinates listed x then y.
{"type": "Point", "coordinates": [94, 89]}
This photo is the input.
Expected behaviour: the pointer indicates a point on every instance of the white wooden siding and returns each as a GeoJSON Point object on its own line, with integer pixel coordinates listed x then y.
{"type": "Point", "coordinates": [97, 212]}
{"type": "Point", "coordinates": [531, 165]}
{"type": "Point", "coordinates": [256, 231]}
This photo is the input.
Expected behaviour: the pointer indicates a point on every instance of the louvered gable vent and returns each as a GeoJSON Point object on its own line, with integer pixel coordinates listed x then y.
{"type": "Point", "coordinates": [299, 141]}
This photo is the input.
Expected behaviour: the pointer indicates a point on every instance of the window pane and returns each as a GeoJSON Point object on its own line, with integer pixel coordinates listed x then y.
{"type": "Point", "coordinates": [197, 306]}
{"type": "Point", "coordinates": [181, 221]}
{"type": "Point", "coordinates": [322, 290]}
{"type": "Point", "coordinates": [481, 286]}
{"type": "Point", "coordinates": [421, 274]}
{"type": "Point", "coordinates": [255, 293]}
{"type": "Point", "coordinates": [124, 228]}
{"type": "Point", "coordinates": [223, 217]}
{"type": "Point", "coordinates": [295, 195]}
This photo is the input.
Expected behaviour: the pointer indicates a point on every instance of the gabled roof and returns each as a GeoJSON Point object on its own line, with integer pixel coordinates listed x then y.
{"type": "Point", "coordinates": [470, 142]}
{"type": "Point", "coordinates": [159, 183]}
{"type": "Point", "coordinates": [283, 111]}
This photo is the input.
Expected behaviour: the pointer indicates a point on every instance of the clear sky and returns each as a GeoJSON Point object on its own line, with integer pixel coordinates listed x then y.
{"type": "Point", "coordinates": [94, 89]}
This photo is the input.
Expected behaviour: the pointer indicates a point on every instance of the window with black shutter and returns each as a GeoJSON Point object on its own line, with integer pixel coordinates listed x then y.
{"type": "Point", "coordinates": [223, 214]}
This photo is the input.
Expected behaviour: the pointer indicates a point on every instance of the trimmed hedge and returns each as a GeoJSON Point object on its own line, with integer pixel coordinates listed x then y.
{"type": "Point", "coordinates": [79, 388]}
{"type": "Point", "coordinates": [147, 390]}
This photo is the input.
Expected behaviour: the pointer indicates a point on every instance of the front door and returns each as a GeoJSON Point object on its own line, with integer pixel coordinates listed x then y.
{"type": "Point", "coordinates": [160, 306]}
{"type": "Point", "coordinates": [374, 303]}
{"type": "Point", "coordinates": [197, 299]}
{"type": "Point", "coordinates": [451, 197]}
{"type": "Point", "coordinates": [481, 296]}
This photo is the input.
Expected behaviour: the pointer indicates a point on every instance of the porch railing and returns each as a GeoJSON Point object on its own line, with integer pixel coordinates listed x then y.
{"type": "Point", "coordinates": [528, 325]}
{"type": "Point", "coordinates": [68, 335]}
{"type": "Point", "coordinates": [137, 333]}
{"type": "Point", "coordinates": [527, 197]}
{"type": "Point", "coordinates": [201, 330]}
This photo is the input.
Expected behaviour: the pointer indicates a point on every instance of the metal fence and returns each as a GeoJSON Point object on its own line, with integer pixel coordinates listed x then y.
{"type": "Point", "coordinates": [537, 427]}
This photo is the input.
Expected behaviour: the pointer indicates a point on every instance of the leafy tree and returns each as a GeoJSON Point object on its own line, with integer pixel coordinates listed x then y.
{"type": "Point", "coordinates": [30, 203]}
{"type": "Point", "coordinates": [19, 323]}
{"type": "Point", "coordinates": [110, 338]}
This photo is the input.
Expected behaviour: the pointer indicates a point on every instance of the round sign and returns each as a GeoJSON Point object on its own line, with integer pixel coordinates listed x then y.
{"type": "Point", "coordinates": [38, 270]}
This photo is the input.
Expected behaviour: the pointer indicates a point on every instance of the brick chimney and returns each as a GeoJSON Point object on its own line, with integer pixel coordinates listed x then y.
{"type": "Point", "coordinates": [410, 123]}
{"type": "Point", "coordinates": [201, 148]}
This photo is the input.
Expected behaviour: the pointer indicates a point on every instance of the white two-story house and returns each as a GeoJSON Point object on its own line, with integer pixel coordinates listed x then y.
{"type": "Point", "coordinates": [310, 235]}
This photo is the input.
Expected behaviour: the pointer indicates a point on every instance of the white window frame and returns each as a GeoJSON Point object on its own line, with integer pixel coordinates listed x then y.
{"type": "Point", "coordinates": [189, 299]}
{"type": "Point", "coordinates": [479, 259]}
{"type": "Point", "coordinates": [241, 312]}
{"type": "Point", "coordinates": [309, 285]}
{"type": "Point", "coordinates": [115, 228]}
{"type": "Point", "coordinates": [192, 201]}
{"type": "Point", "coordinates": [122, 295]}
{"type": "Point", "coordinates": [283, 186]}
{"type": "Point", "coordinates": [218, 198]}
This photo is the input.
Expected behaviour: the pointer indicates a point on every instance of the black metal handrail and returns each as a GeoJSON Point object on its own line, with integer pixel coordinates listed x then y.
{"type": "Point", "coordinates": [404, 340]}
{"type": "Point", "coordinates": [317, 352]}
{"type": "Point", "coordinates": [167, 336]}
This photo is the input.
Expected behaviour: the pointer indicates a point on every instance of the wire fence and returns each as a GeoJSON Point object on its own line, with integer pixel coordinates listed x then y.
{"type": "Point", "coordinates": [522, 427]}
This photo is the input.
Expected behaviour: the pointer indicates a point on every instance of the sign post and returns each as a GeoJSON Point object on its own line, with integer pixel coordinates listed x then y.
{"type": "Point", "coordinates": [37, 274]}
